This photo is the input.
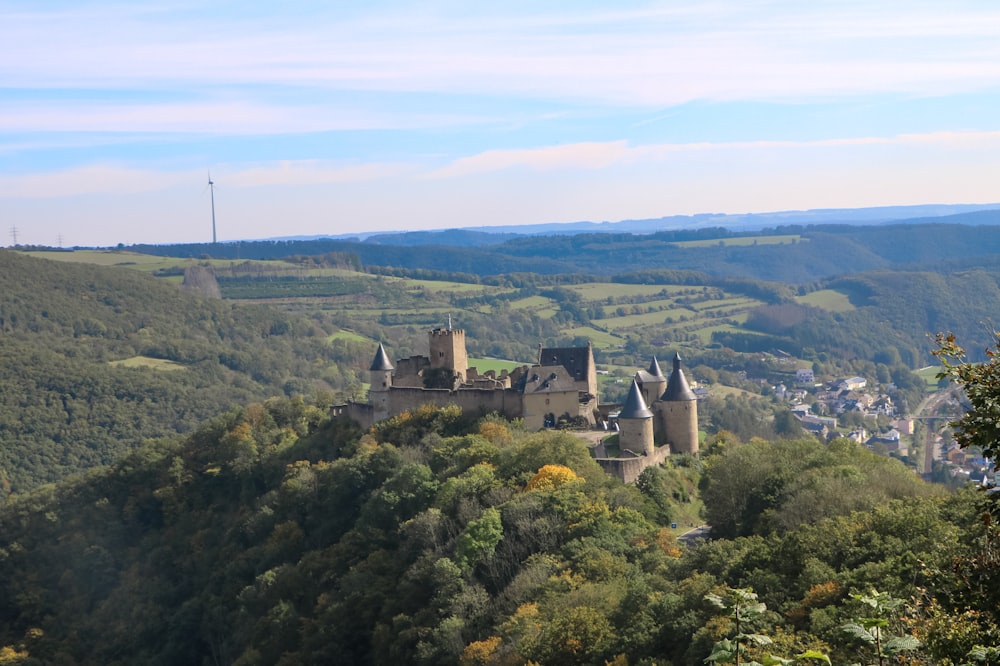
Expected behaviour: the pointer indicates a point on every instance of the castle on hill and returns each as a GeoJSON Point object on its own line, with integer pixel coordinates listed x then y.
{"type": "Point", "coordinates": [659, 417]}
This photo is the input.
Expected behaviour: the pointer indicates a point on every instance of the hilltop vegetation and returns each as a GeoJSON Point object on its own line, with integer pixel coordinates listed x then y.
{"type": "Point", "coordinates": [275, 536]}
{"type": "Point", "coordinates": [88, 349]}
{"type": "Point", "coordinates": [83, 358]}
{"type": "Point", "coordinates": [907, 281]}
{"type": "Point", "coordinates": [790, 254]}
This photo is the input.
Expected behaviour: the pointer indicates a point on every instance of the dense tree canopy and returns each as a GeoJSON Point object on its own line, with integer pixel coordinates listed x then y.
{"type": "Point", "coordinates": [94, 361]}
{"type": "Point", "coordinates": [275, 535]}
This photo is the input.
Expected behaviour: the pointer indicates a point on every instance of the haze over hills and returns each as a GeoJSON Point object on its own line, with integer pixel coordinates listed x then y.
{"type": "Point", "coordinates": [736, 222]}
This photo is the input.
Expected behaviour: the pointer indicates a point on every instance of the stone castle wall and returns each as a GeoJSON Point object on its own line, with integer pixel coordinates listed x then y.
{"type": "Point", "coordinates": [629, 469]}
{"type": "Point", "coordinates": [472, 400]}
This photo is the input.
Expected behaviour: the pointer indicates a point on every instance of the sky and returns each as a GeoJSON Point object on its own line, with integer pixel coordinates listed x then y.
{"type": "Point", "coordinates": [343, 117]}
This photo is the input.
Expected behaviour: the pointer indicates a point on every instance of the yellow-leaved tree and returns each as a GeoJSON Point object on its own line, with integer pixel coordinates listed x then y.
{"type": "Point", "coordinates": [551, 476]}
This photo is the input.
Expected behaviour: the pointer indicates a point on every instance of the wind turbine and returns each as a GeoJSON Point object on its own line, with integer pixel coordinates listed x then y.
{"type": "Point", "coordinates": [211, 186]}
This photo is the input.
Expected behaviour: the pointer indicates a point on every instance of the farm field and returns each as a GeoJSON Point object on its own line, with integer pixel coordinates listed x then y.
{"type": "Point", "coordinates": [495, 364]}
{"type": "Point", "coordinates": [349, 335]}
{"type": "Point", "coordinates": [744, 240]}
{"type": "Point", "coordinates": [929, 375]}
{"type": "Point", "coordinates": [150, 363]}
{"type": "Point", "coordinates": [596, 291]}
{"type": "Point", "coordinates": [367, 307]}
{"type": "Point", "coordinates": [827, 299]}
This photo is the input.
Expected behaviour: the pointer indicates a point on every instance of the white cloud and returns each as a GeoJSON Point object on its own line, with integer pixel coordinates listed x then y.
{"type": "Point", "coordinates": [639, 57]}
{"type": "Point", "coordinates": [572, 156]}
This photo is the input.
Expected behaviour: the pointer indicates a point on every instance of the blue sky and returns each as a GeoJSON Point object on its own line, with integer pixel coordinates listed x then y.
{"type": "Point", "coordinates": [318, 117]}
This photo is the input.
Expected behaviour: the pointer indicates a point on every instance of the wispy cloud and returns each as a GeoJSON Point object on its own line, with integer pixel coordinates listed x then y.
{"type": "Point", "coordinates": [640, 107]}
{"type": "Point", "coordinates": [574, 156]}
{"type": "Point", "coordinates": [93, 179]}
{"type": "Point", "coordinates": [642, 57]}
{"type": "Point", "coordinates": [595, 156]}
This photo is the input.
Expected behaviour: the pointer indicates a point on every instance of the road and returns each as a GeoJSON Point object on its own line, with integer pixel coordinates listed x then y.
{"type": "Point", "coordinates": [700, 532]}
{"type": "Point", "coordinates": [928, 410]}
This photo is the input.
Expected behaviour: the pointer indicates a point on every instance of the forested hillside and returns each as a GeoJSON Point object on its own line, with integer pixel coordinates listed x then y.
{"type": "Point", "coordinates": [93, 361]}
{"type": "Point", "coordinates": [792, 254]}
{"type": "Point", "coordinates": [893, 319]}
{"type": "Point", "coordinates": [276, 536]}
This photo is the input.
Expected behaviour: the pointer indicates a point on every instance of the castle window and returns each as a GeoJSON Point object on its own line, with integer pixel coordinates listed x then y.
{"type": "Point", "coordinates": [546, 401]}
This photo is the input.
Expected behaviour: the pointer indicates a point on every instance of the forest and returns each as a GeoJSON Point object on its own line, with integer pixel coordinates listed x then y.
{"type": "Point", "coordinates": [274, 535]}
{"type": "Point", "coordinates": [177, 492]}
{"type": "Point", "coordinates": [797, 254]}
{"type": "Point", "coordinates": [99, 359]}
{"type": "Point", "coordinates": [94, 361]}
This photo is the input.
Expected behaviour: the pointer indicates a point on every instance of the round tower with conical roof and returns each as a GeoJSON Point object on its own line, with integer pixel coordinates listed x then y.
{"type": "Point", "coordinates": [381, 381]}
{"type": "Point", "coordinates": [678, 410]}
{"type": "Point", "coordinates": [635, 423]}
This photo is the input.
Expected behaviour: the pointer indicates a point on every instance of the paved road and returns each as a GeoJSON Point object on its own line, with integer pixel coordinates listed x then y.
{"type": "Point", "coordinates": [700, 532]}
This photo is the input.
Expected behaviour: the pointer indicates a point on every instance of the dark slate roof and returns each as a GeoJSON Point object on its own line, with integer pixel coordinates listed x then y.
{"type": "Point", "coordinates": [575, 359]}
{"type": "Point", "coordinates": [635, 407]}
{"type": "Point", "coordinates": [654, 368]}
{"type": "Point", "coordinates": [677, 386]}
{"type": "Point", "coordinates": [547, 379]}
{"type": "Point", "coordinates": [381, 361]}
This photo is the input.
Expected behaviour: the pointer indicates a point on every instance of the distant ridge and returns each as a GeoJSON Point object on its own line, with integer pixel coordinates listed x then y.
{"type": "Point", "coordinates": [736, 222]}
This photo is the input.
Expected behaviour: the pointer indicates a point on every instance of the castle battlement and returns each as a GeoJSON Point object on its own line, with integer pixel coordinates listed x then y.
{"type": "Point", "coordinates": [660, 417]}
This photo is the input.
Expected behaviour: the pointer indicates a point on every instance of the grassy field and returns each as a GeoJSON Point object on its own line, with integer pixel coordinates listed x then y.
{"type": "Point", "coordinates": [113, 258]}
{"type": "Point", "coordinates": [929, 375]}
{"type": "Point", "coordinates": [531, 303]}
{"type": "Point", "coordinates": [486, 364]}
{"type": "Point", "coordinates": [744, 241]}
{"type": "Point", "coordinates": [827, 299]}
{"type": "Point", "coordinates": [147, 362]}
{"type": "Point", "coordinates": [597, 291]}
{"type": "Point", "coordinates": [443, 286]}
{"type": "Point", "coordinates": [348, 335]}
{"type": "Point", "coordinates": [705, 333]}
{"type": "Point", "coordinates": [601, 339]}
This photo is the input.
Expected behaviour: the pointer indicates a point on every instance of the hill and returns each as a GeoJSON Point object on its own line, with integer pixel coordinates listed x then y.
{"type": "Point", "coordinates": [276, 536]}
{"type": "Point", "coordinates": [94, 361]}
{"type": "Point", "coordinates": [795, 254]}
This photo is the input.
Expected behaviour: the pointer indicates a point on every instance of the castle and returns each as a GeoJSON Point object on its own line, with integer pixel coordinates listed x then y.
{"type": "Point", "coordinates": [659, 417]}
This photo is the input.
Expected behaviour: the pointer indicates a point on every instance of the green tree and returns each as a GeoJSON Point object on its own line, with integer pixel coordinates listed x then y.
{"type": "Point", "coordinates": [873, 630]}
{"type": "Point", "coordinates": [742, 607]}
{"type": "Point", "coordinates": [980, 426]}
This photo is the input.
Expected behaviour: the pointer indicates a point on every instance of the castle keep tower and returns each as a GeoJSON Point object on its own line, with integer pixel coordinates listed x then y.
{"type": "Point", "coordinates": [635, 423]}
{"type": "Point", "coordinates": [678, 408]}
{"type": "Point", "coordinates": [447, 349]}
{"type": "Point", "coordinates": [381, 381]}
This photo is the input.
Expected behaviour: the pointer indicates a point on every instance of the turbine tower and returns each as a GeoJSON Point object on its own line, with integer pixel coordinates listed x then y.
{"type": "Point", "coordinates": [211, 186]}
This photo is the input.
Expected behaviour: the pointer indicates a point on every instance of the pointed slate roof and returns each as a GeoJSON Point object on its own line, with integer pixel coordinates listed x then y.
{"type": "Point", "coordinates": [654, 368]}
{"type": "Point", "coordinates": [381, 361]}
{"type": "Point", "coordinates": [677, 386]}
{"type": "Point", "coordinates": [635, 407]}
